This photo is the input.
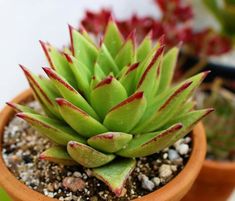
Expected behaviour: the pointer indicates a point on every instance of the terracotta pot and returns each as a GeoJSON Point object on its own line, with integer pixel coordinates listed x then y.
{"type": "Point", "coordinates": [216, 182]}
{"type": "Point", "coordinates": [173, 191]}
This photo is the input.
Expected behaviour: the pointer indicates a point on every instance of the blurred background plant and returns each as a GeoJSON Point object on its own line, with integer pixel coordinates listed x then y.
{"type": "Point", "coordinates": [220, 127]}
{"type": "Point", "coordinates": [224, 12]}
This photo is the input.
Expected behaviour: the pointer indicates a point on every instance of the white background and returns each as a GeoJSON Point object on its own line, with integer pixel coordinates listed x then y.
{"type": "Point", "coordinates": [24, 22]}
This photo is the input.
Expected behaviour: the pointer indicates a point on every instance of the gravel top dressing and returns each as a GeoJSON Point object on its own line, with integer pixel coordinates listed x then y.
{"type": "Point", "coordinates": [22, 146]}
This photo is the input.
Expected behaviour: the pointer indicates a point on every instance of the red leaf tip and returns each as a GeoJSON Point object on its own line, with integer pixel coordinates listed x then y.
{"type": "Point", "coordinates": [25, 70]}
{"type": "Point", "coordinates": [162, 40]}
{"type": "Point", "coordinates": [206, 72]}
{"type": "Point", "coordinates": [21, 115]}
{"type": "Point", "coordinates": [71, 37]}
{"type": "Point", "coordinates": [137, 95]}
{"type": "Point", "coordinates": [61, 101]}
{"type": "Point", "coordinates": [132, 67]}
{"type": "Point", "coordinates": [107, 80]}
{"type": "Point", "coordinates": [209, 110]}
{"type": "Point", "coordinates": [71, 28]}
{"type": "Point", "coordinates": [13, 105]}
{"type": "Point", "coordinates": [72, 144]}
{"type": "Point", "coordinates": [68, 58]}
{"type": "Point", "coordinates": [48, 71]}
{"type": "Point", "coordinates": [132, 36]}
{"type": "Point", "coordinates": [42, 157]}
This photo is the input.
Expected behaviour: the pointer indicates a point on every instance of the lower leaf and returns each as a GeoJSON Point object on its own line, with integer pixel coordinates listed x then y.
{"type": "Point", "coordinates": [115, 174]}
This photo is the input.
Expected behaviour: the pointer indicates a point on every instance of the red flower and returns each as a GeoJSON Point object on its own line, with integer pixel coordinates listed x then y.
{"type": "Point", "coordinates": [175, 24]}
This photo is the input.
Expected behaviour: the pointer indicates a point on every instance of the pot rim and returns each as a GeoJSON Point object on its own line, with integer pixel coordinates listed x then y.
{"type": "Point", "coordinates": [219, 165]}
{"type": "Point", "coordinates": [173, 191]}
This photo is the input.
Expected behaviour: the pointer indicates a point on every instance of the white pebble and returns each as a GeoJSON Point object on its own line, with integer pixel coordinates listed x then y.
{"type": "Point", "coordinates": [165, 171]}
{"type": "Point", "coordinates": [77, 174]}
{"type": "Point", "coordinates": [187, 140]}
{"type": "Point", "coordinates": [165, 155]}
{"type": "Point", "coordinates": [156, 181]}
{"type": "Point", "coordinates": [173, 155]}
{"type": "Point", "coordinates": [183, 149]}
{"type": "Point", "coordinates": [146, 183]}
{"type": "Point", "coordinates": [174, 168]}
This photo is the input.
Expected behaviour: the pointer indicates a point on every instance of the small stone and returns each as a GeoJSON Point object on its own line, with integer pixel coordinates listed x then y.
{"type": "Point", "coordinates": [146, 183]}
{"type": "Point", "coordinates": [50, 187]}
{"type": "Point", "coordinates": [183, 149]}
{"type": "Point", "coordinates": [178, 161]}
{"type": "Point", "coordinates": [74, 184]}
{"type": "Point", "coordinates": [88, 172]}
{"type": "Point", "coordinates": [174, 168]}
{"type": "Point", "coordinates": [77, 174]}
{"type": "Point", "coordinates": [187, 140]}
{"type": "Point", "coordinates": [156, 181]}
{"type": "Point", "coordinates": [165, 171]}
{"type": "Point", "coordinates": [165, 155]}
{"type": "Point", "coordinates": [94, 198]}
{"type": "Point", "coordinates": [50, 194]}
{"type": "Point", "coordinates": [173, 155]}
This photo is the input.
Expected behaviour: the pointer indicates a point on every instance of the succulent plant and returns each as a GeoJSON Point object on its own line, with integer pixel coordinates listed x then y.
{"type": "Point", "coordinates": [220, 127]}
{"type": "Point", "coordinates": [224, 12]}
{"type": "Point", "coordinates": [107, 104]}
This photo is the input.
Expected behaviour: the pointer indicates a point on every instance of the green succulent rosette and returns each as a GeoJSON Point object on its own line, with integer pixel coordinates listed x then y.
{"type": "Point", "coordinates": [106, 104]}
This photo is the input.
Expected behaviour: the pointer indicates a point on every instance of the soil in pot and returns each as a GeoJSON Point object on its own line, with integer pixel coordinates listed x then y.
{"type": "Point", "coordinates": [22, 145]}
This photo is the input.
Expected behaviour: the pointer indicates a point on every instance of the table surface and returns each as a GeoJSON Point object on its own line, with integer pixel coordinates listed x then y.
{"type": "Point", "coordinates": [25, 22]}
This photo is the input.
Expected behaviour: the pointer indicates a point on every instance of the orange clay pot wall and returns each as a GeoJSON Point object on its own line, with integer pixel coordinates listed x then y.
{"type": "Point", "coordinates": [216, 182]}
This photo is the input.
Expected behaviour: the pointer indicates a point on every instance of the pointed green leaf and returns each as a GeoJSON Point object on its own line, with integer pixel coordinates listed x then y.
{"type": "Point", "coordinates": [127, 78]}
{"type": "Point", "coordinates": [168, 67]}
{"type": "Point", "coordinates": [110, 142]}
{"type": "Point", "coordinates": [57, 154]}
{"type": "Point", "coordinates": [56, 131]}
{"type": "Point", "coordinates": [189, 120]}
{"type": "Point", "coordinates": [81, 74]}
{"type": "Point", "coordinates": [169, 105]}
{"type": "Point", "coordinates": [149, 81]}
{"type": "Point", "coordinates": [187, 107]}
{"type": "Point", "coordinates": [43, 94]}
{"type": "Point", "coordinates": [118, 118]}
{"type": "Point", "coordinates": [87, 156]}
{"type": "Point", "coordinates": [94, 82]}
{"type": "Point", "coordinates": [145, 63]}
{"type": "Point", "coordinates": [21, 108]}
{"type": "Point", "coordinates": [145, 47]}
{"type": "Point", "coordinates": [149, 143]}
{"type": "Point", "coordinates": [126, 54]}
{"type": "Point", "coordinates": [85, 51]}
{"type": "Point", "coordinates": [69, 93]}
{"type": "Point", "coordinates": [79, 120]}
{"type": "Point", "coordinates": [107, 94]}
{"type": "Point", "coordinates": [58, 62]}
{"type": "Point", "coordinates": [99, 73]}
{"type": "Point", "coordinates": [115, 174]}
{"type": "Point", "coordinates": [113, 39]}
{"type": "Point", "coordinates": [106, 61]}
